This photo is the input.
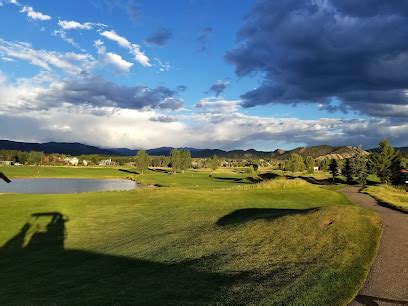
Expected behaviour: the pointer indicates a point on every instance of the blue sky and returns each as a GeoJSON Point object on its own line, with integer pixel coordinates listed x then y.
{"type": "Point", "coordinates": [206, 74]}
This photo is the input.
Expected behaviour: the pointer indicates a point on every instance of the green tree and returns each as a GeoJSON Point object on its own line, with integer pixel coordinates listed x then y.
{"type": "Point", "coordinates": [348, 171]}
{"type": "Point", "coordinates": [142, 160]}
{"type": "Point", "coordinates": [35, 157]}
{"type": "Point", "coordinates": [324, 164]}
{"type": "Point", "coordinates": [333, 168]}
{"type": "Point", "coordinates": [382, 161]}
{"type": "Point", "coordinates": [359, 165]}
{"type": "Point", "coordinates": [175, 160]}
{"type": "Point", "coordinates": [295, 163]}
{"type": "Point", "coordinates": [22, 157]}
{"type": "Point", "coordinates": [185, 160]}
{"type": "Point", "coordinates": [396, 167]}
{"type": "Point", "coordinates": [214, 163]}
{"type": "Point", "coordinates": [310, 163]}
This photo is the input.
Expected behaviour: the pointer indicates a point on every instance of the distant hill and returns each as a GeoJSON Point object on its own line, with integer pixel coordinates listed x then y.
{"type": "Point", "coordinates": [75, 148]}
{"type": "Point", "coordinates": [403, 150]}
{"type": "Point", "coordinates": [324, 151]}
{"type": "Point", "coordinates": [69, 148]}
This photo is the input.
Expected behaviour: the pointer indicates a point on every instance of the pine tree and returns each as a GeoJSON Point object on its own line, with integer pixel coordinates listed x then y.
{"type": "Point", "coordinates": [142, 161]}
{"type": "Point", "coordinates": [334, 168]}
{"type": "Point", "coordinates": [396, 167]}
{"type": "Point", "coordinates": [360, 169]}
{"type": "Point", "coordinates": [382, 161]}
{"type": "Point", "coordinates": [348, 171]}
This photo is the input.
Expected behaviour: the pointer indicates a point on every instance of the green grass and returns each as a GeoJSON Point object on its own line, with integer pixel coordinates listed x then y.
{"type": "Point", "coordinates": [391, 196]}
{"type": "Point", "coordinates": [279, 242]}
{"type": "Point", "coordinates": [190, 179]}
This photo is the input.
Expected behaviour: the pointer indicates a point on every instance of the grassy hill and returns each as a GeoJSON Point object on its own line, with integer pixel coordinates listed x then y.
{"type": "Point", "coordinates": [324, 151]}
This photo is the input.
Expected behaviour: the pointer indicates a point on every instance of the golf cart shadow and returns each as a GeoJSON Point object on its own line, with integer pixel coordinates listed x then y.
{"type": "Point", "coordinates": [37, 269]}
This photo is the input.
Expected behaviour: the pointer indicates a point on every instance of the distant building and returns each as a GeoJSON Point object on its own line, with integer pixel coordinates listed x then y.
{"type": "Point", "coordinates": [7, 162]}
{"type": "Point", "coordinates": [72, 161]}
{"type": "Point", "coordinates": [85, 163]}
{"type": "Point", "coordinates": [315, 169]}
{"type": "Point", "coordinates": [105, 162]}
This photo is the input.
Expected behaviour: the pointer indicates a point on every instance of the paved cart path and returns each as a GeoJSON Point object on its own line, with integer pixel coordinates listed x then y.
{"type": "Point", "coordinates": [387, 282]}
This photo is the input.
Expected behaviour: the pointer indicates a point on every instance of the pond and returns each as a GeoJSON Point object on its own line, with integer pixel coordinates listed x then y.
{"type": "Point", "coordinates": [65, 185]}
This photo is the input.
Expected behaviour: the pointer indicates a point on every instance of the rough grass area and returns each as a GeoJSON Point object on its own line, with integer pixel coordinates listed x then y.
{"type": "Point", "coordinates": [276, 184]}
{"type": "Point", "coordinates": [391, 196]}
{"type": "Point", "coordinates": [284, 242]}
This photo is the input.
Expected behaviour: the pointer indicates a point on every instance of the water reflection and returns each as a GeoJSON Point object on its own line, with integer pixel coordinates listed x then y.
{"type": "Point", "coordinates": [69, 185]}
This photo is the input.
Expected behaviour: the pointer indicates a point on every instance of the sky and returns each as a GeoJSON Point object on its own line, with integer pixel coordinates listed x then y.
{"type": "Point", "coordinates": [205, 74]}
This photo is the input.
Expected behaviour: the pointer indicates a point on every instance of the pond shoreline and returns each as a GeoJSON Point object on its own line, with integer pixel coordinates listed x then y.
{"type": "Point", "coordinates": [66, 185]}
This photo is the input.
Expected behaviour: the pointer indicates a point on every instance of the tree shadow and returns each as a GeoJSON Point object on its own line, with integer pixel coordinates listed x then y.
{"type": "Point", "coordinates": [4, 177]}
{"type": "Point", "coordinates": [324, 182]}
{"type": "Point", "coordinates": [372, 183]}
{"type": "Point", "coordinates": [375, 300]}
{"type": "Point", "coordinates": [230, 179]}
{"type": "Point", "coordinates": [43, 272]}
{"type": "Point", "coordinates": [268, 176]}
{"type": "Point", "coordinates": [248, 214]}
{"type": "Point", "coordinates": [254, 179]}
{"type": "Point", "coordinates": [160, 170]}
{"type": "Point", "coordinates": [235, 180]}
{"type": "Point", "coordinates": [128, 171]}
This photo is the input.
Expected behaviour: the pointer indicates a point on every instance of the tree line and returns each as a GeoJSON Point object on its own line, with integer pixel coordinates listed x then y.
{"type": "Point", "coordinates": [385, 162]}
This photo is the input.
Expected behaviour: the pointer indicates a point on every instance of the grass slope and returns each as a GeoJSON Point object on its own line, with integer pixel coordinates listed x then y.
{"type": "Point", "coordinates": [278, 242]}
{"type": "Point", "coordinates": [391, 196]}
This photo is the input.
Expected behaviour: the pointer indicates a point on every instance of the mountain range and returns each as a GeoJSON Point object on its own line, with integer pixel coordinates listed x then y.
{"type": "Point", "coordinates": [75, 149]}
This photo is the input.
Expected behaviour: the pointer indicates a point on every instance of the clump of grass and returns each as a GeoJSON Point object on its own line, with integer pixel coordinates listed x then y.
{"type": "Point", "coordinates": [392, 196]}
{"type": "Point", "coordinates": [276, 184]}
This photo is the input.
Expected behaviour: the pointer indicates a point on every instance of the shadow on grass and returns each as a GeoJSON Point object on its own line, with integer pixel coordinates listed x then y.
{"type": "Point", "coordinates": [248, 214]}
{"type": "Point", "coordinates": [386, 204]}
{"type": "Point", "coordinates": [128, 171]}
{"type": "Point", "coordinates": [42, 272]}
{"type": "Point", "coordinates": [268, 176]}
{"type": "Point", "coordinates": [160, 170]}
{"type": "Point", "coordinates": [324, 182]}
{"type": "Point", "coordinates": [375, 300]}
{"type": "Point", "coordinates": [229, 179]}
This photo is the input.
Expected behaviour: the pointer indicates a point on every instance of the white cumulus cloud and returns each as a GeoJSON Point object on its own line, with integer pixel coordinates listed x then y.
{"type": "Point", "coordinates": [73, 25]}
{"type": "Point", "coordinates": [112, 59]}
{"type": "Point", "coordinates": [134, 49]}
{"type": "Point", "coordinates": [47, 60]}
{"type": "Point", "coordinates": [33, 14]}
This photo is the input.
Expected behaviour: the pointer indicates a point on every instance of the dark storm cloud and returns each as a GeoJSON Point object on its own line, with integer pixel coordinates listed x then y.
{"type": "Point", "coordinates": [202, 39]}
{"type": "Point", "coordinates": [218, 87]}
{"type": "Point", "coordinates": [99, 92]}
{"type": "Point", "coordinates": [159, 38]}
{"type": "Point", "coordinates": [314, 51]}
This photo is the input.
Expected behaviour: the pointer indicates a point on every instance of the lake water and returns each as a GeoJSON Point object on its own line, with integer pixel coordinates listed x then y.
{"type": "Point", "coordinates": [64, 185]}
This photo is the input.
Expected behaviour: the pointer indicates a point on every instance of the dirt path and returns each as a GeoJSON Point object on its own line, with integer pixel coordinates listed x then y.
{"type": "Point", "coordinates": [387, 282]}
